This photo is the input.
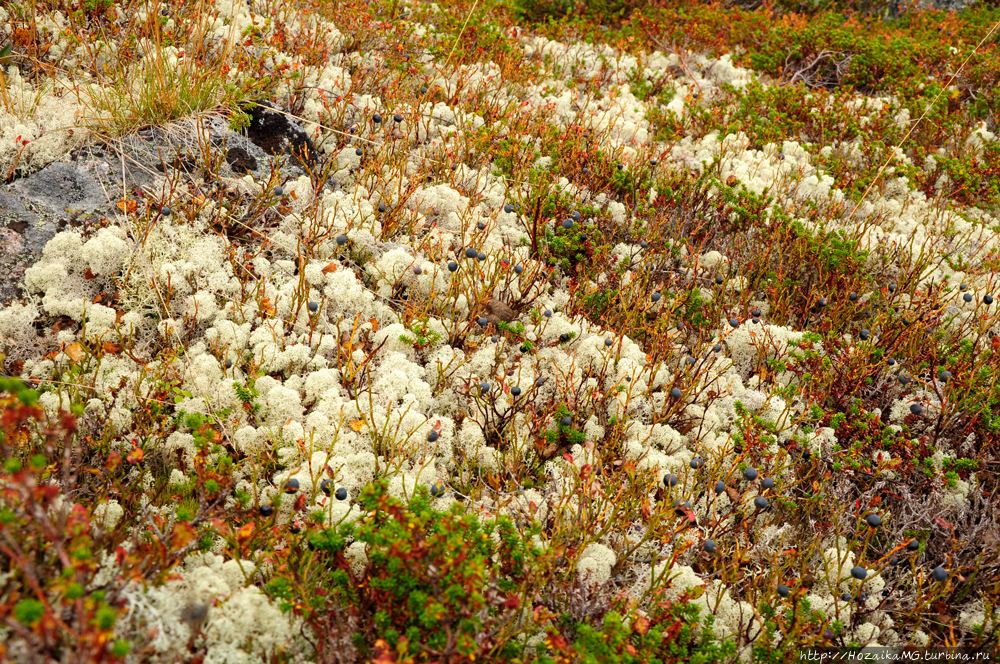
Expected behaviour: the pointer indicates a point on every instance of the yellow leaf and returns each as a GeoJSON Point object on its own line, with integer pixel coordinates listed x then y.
{"type": "Point", "coordinates": [74, 351]}
{"type": "Point", "coordinates": [357, 425]}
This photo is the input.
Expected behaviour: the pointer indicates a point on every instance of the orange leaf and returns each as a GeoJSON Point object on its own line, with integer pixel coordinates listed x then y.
{"type": "Point", "coordinates": [266, 307]}
{"type": "Point", "coordinates": [357, 425]}
{"type": "Point", "coordinates": [383, 654]}
{"type": "Point", "coordinates": [641, 625]}
{"type": "Point", "coordinates": [89, 275]}
{"type": "Point", "coordinates": [74, 351]}
{"type": "Point", "coordinates": [374, 325]}
{"type": "Point", "coordinates": [647, 509]}
{"type": "Point", "coordinates": [184, 534]}
{"type": "Point", "coordinates": [126, 205]}
{"type": "Point", "coordinates": [558, 642]}
{"type": "Point", "coordinates": [135, 456]}
{"type": "Point", "coordinates": [331, 267]}
{"type": "Point", "coordinates": [245, 532]}
{"type": "Point", "coordinates": [112, 348]}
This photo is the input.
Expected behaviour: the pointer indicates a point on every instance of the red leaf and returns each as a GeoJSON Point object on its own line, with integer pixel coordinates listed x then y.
{"type": "Point", "coordinates": [944, 524]}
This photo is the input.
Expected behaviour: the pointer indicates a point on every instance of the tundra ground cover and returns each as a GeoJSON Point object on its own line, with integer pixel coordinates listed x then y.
{"type": "Point", "coordinates": [589, 340]}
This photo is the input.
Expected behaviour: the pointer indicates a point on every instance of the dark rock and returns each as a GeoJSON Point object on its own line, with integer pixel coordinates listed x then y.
{"type": "Point", "coordinates": [276, 133]}
{"type": "Point", "coordinates": [241, 161]}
